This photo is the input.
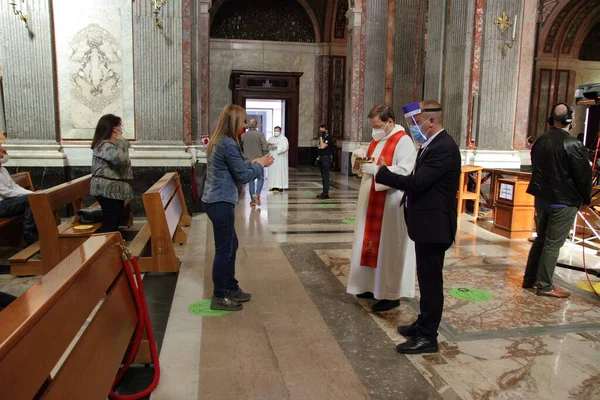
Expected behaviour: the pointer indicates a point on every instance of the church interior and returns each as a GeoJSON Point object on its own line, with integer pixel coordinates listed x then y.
{"type": "Point", "coordinates": [167, 69]}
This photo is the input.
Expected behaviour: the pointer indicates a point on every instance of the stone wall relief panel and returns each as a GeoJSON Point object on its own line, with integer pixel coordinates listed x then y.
{"type": "Point", "coordinates": [94, 57]}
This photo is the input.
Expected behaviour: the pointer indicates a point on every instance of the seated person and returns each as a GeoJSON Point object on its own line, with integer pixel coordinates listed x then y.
{"type": "Point", "coordinates": [14, 202]}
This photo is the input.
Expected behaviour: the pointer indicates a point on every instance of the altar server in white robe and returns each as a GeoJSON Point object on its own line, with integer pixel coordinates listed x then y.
{"type": "Point", "coordinates": [278, 172]}
{"type": "Point", "coordinates": [383, 256]}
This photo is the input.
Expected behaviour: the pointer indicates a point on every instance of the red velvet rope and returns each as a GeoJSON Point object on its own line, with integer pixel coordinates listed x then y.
{"type": "Point", "coordinates": [137, 289]}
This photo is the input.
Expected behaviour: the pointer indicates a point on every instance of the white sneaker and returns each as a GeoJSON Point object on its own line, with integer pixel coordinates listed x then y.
{"type": "Point", "coordinates": [256, 199]}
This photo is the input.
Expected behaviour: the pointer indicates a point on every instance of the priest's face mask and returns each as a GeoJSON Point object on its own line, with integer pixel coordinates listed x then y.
{"type": "Point", "coordinates": [380, 128]}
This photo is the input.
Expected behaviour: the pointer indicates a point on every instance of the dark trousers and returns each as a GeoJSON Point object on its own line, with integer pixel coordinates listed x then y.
{"type": "Point", "coordinates": [19, 206]}
{"type": "Point", "coordinates": [222, 216]}
{"type": "Point", "coordinates": [430, 261]}
{"type": "Point", "coordinates": [325, 167]}
{"type": "Point", "coordinates": [111, 213]}
{"type": "Point", "coordinates": [553, 227]}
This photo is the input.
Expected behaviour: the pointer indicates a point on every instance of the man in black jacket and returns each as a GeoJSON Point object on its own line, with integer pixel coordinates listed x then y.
{"type": "Point", "coordinates": [561, 182]}
{"type": "Point", "coordinates": [430, 210]}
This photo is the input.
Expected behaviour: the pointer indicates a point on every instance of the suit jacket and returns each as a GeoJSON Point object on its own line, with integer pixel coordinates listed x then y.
{"type": "Point", "coordinates": [431, 191]}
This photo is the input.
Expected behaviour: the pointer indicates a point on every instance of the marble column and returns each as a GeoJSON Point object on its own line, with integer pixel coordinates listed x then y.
{"type": "Point", "coordinates": [526, 44]}
{"type": "Point", "coordinates": [499, 77]}
{"type": "Point", "coordinates": [355, 66]}
{"type": "Point", "coordinates": [375, 34]}
{"type": "Point", "coordinates": [436, 37]}
{"type": "Point", "coordinates": [409, 43]}
{"type": "Point", "coordinates": [458, 39]}
{"type": "Point", "coordinates": [163, 74]}
{"type": "Point", "coordinates": [30, 96]}
{"type": "Point", "coordinates": [158, 69]}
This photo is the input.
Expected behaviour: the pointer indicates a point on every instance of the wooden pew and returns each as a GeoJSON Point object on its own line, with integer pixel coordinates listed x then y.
{"type": "Point", "coordinates": [166, 213]}
{"type": "Point", "coordinates": [38, 328]}
{"type": "Point", "coordinates": [56, 242]}
{"type": "Point", "coordinates": [11, 228]}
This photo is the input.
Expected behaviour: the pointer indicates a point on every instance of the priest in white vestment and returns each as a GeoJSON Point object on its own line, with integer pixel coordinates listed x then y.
{"type": "Point", "coordinates": [383, 256]}
{"type": "Point", "coordinates": [278, 172]}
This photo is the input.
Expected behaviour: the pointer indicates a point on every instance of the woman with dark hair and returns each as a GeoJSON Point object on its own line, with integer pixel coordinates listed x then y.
{"type": "Point", "coordinates": [226, 168]}
{"type": "Point", "coordinates": [111, 171]}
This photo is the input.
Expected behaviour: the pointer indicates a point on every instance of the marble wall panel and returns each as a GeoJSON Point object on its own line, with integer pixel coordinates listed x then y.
{"type": "Point", "coordinates": [434, 63]}
{"type": "Point", "coordinates": [94, 61]}
{"type": "Point", "coordinates": [228, 55]}
{"type": "Point", "coordinates": [28, 78]}
{"type": "Point", "coordinates": [499, 79]}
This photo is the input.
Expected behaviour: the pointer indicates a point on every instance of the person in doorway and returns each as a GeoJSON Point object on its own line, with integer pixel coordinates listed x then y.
{"type": "Point", "coordinates": [225, 167]}
{"type": "Point", "coordinates": [383, 256]}
{"type": "Point", "coordinates": [325, 154]}
{"type": "Point", "coordinates": [430, 206]}
{"type": "Point", "coordinates": [14, 201]}
{"type": "Point", "coordinates": [561, 182]}
{"type": "Point", "coordinates": [278, 173]}
{"type": "Point", "coordinates": [111, 171]}
{"type": "Point", "coordinates": [255, 146]}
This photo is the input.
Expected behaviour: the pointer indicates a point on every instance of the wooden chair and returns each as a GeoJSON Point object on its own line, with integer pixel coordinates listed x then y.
{"type": "Point", "coordinates": [463, 192]}
{"type": "Point", "coordinates": [166, 212]}
{"type": "Point", "coordinates": [39, 330]}
{"type": "Point", "coordinates": [56, 242]}
{"type": "Point", "coordinates": [11, 228]}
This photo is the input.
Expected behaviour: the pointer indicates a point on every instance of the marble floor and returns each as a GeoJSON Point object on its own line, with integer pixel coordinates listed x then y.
{"type": "Point", "coordinates": [303, 337]}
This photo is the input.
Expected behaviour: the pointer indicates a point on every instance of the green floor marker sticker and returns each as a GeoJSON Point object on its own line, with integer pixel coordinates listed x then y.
{"type": "Point", "coordinates": [327, 205]}
{"type": "Point", "coordinates": [470, 294]}
{"type": "Point", "coordinates": [348, 221]}
{"type": "Point", "coordinates": [202, 308]}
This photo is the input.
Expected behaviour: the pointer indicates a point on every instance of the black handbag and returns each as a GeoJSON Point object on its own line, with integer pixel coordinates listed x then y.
{"type": "Point", "coordinates": [90, 214]}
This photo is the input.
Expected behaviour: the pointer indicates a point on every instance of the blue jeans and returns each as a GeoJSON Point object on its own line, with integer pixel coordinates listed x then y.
{"type": "Point", "coordinates": [222, 216]}
{"type": "Point", "coordinates": [259, 185]}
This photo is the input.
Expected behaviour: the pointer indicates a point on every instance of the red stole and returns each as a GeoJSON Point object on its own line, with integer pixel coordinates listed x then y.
{"type": "Point", "coordinates": [375, 208]}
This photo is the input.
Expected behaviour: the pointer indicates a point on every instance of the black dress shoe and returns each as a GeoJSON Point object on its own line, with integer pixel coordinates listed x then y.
{"type": "Point", "coordinates": [408, 330]}
{"type": "Point", "coordinates": [323, 196]}
{"type": "Point", "coordinates": [365, 295]}
{"type": "Point", "coordinates": [418, 345]}
{"type": "Point", "coordinates": [239, 295]}
{"type": "Point", "coordinates": [385, 305]}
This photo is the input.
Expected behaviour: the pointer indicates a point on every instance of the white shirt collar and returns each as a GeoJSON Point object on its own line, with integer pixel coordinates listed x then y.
{"type": "Point", "coordinates": [426, 143]}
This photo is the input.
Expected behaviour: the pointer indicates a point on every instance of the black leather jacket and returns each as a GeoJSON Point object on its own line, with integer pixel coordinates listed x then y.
{"type": "Point", "coordinates": [562, 171]}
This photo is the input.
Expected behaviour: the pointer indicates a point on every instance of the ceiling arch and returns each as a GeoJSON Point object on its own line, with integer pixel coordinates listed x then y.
{"type": "Point", "coordinates": [566, 27]}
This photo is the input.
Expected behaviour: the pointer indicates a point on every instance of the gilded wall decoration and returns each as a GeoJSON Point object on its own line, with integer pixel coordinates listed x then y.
{"type": "Point", "coordinates": [96, 82]}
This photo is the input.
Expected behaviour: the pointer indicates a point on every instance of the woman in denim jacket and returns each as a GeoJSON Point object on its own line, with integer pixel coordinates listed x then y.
{"type": "Point", "coordinates": [226, 168]}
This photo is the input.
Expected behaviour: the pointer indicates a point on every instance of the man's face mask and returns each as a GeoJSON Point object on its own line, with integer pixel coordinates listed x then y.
{"type": "Point", "coordinates": [410, 111]}
{"type": "Point", "coordinates": [277, 133]}
{"type": "Point", "coordinates": [417, 133]}
{"type": "Point", "coordinates": [3, 158]}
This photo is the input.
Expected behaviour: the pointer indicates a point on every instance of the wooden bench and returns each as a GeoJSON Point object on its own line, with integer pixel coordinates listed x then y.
{"type": "Point", "coordinates": [11, 228]}
{"type": "Point", "coordinates": [47, 347]}
{"type": "Point", "coordinates": [56, 242]}
{"type": "Point", "coordinates": [166, 213]}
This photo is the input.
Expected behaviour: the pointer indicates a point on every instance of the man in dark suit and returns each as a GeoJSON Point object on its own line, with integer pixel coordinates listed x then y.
{"type": "Point", "coordinates": [430, 211]}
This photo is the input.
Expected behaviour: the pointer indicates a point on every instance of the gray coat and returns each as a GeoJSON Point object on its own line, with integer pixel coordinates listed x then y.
{"type": "Point", "coordinates": [254, 144]}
